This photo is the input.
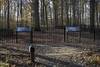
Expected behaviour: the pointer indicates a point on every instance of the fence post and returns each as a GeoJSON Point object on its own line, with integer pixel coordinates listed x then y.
{"type": "Point", "coordinates": [64, 33]}
{"type": "Point", "coordinates": [80, 34]}
{"type": "Point", "coordinates": [31, 35]}
{"type": "Point", "coordinates": [16, 37]}
{"type": "Point", "coordinates": [32, 55]}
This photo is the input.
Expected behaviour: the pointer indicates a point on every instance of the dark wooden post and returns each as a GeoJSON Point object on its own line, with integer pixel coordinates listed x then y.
{"type": "Point", "coordinates": [64, 33]}
{"type": "Point", "coordinates": [32, 55]}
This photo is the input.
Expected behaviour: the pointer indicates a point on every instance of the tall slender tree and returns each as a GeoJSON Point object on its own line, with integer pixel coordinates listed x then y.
{"type": "Point", "coordinates": [74, 11]}
{"type": "Point", "coordinates": [62, 9]}
{"type": "Point", "coordinates": [92, 15]}
{"type": "Point", "coordinates": [8, 23]}
{"type": "Point", "coordinates": [36, 15]}
{"type": "Point", "coordinates": [46, 15]}
{"type": "Point", "coordinates": [67, 10]}
{"type": "Point", "coordinates": [55, 5]}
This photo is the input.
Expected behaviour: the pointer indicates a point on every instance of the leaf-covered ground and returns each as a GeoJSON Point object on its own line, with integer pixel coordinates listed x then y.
{"type": "Point", "coordinates": [72, 55]}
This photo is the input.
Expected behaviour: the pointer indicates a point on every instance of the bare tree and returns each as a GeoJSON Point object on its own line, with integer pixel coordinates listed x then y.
{"type": "Point", "coordinates": [8, 23]}
{"type": "Point", "coordinates": [55, 5]}
{"type": "Point", "coordinates": [36, 14]}
{"type": "Point", "coordinates": [92, 15]}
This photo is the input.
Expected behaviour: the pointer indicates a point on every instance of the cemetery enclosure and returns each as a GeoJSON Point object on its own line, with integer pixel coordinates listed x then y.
{"type": "Point", "coordinates": [47, 20]}
{"type": "Point", "coordinates": [55, 28]}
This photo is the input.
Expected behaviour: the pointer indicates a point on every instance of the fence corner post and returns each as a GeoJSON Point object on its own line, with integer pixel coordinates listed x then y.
{"type": "Point", "coordinates": [32, 55]}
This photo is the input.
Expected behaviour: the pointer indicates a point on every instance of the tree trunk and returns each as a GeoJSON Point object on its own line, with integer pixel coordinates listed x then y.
{"type": "Point", "coordinates": [21, 21]}
{"type": "Point", "coordinates": [55, 12]}
{"type": "Point", "coordinates": [67, 10]}
{"type": "Point", "coordinates": [46, 16]}
{"type": "Point", "coordinates": [92, 15]}
{"type": "Point", "coordinates": [42, 13]}
{"type": "Point", "coordinates": [74, 11]}
{"type": "Point", "coordinates": [97, 18]}
{"type": "Point", "coordinates": [62, 2]}
{"type": "Point", "coordinates": [36, 15]}
{"type": "Point", "coordinates": [8, 23]}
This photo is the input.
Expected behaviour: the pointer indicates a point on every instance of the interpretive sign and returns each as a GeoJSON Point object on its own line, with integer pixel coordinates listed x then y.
{"type": "Point", "coordinates": [72, 28]}
{"type": "Point", "coordinates": [23, 29]}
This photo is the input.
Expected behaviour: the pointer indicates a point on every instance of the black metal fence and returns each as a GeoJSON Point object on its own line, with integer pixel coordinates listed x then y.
{"type": "Point", "coordinates": [75, 15]}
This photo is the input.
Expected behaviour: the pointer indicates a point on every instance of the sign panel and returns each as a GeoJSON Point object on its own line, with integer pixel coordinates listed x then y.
{"type": "Point", "coordinates": [72, 28]}
{"type": "Point", "coordinates": [23, 29]}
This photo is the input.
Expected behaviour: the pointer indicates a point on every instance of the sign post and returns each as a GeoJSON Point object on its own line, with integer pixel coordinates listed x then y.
{"type": "Point", "coordinates": [32, 55]}
{"type": "Point", "coordinates": [70, 29]}
{"type": "Point", "coordinates": [21, 30]}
